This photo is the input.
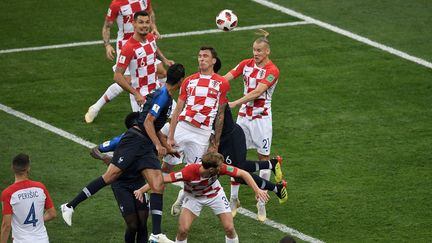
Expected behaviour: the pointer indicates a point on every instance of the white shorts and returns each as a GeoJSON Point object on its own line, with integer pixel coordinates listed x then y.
{"type": "Point", "coordinates": [192, 141]}
{"type": "Point", "coordinates": [258, 133]}
{"type": "Point", "coordinates": [219, 204]}
{"type": "Point", "coordinates": [170, 159]}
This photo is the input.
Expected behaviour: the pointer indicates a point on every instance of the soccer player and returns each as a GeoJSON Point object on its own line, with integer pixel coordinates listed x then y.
{"type": "Point", "coordinates": [136, 151]}
{"type": "Point", "coordinates": [202, 188]}
{"type": "Point", "coordinates": [134, 212]}
{"type": "Point", "coordinates": [202, 98]}
{"type": "Point", "coordinates": [260, 76]}
{"type": "Point", "coordinates": [27, 205]}
{"type": "Point", "coordinates": [122, 11]}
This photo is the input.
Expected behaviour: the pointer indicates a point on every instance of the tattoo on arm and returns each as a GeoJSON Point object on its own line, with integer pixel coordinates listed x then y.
{"type": "Point", "coordinates": [106, 31]}
{"type": "Point", "coordinates": [120, 70]}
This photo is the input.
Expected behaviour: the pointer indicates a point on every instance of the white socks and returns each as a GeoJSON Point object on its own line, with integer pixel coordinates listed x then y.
{"type": "Point", "coordinates": [234, 240]}
{"type": "Point", "coordinates": [113, 91]}
{"type": "Point", "coordinates": [265, 174]}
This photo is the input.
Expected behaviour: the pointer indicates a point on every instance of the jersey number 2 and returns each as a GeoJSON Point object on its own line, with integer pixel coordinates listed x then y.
{"type": "Point", "coordinates": [31, 217]}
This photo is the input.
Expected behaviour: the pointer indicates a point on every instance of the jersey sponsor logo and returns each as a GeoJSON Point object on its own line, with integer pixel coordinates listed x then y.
{"type": "Point", "coordinates": [230, 168]}
{"type": "Point", "coordinates": [270, 78]}
{"type": "Point", "coordinates": [122, 59]}
{"type": "Point", "coordinates": [178, 175]}
{"type": "Point", "coordinates": [156, 108]}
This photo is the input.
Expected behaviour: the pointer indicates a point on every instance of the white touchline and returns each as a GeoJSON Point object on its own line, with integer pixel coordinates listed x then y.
{"type": "Point", "coordinates": [190, 33]}
{"type": "Point", "coordinates": [344, 32]}
{"type": "Point", "coordinates": [88, 144]}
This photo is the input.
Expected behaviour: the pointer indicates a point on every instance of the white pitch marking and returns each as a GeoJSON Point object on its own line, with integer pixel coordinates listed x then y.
{"type": "Point", "coordinates": [191, 33]}
{"type": "Point", "coordinates": [345, 33]}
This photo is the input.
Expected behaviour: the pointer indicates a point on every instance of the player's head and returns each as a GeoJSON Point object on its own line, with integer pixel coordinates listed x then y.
{"type": "Point", "coordinates": [142, 22]}
{"type": "Point", "coordinates": [130, 119]}
{"type": "Point", "coordinates": [21, 164]}
{"type": "Point", "coordinates": [261, 47]}
{"type": "Point", "coordinates": [207, 58]}
{"type": "Point", "coordinates": [217, 66]}
{"type": "Point", "coordinates": [212, 161]}
{"type": "Point", "coordinates": [287, 239]}
{"type": "Point", "coordinates": [175, 74]}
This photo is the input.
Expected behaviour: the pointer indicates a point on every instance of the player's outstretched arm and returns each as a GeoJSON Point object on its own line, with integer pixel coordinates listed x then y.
{"type": "Point", "coordinates": [50, 214]}
{"type": "Point", "coordinates": [259, 90]}
{"type": "Point", "coordinates": [151, 132]}
{"type": "Point", "coordinates": [174, 121]}
{"type": "Point", "coordinates": [139, 194]}
{"type": "Point", "coordinates": [259, 194]}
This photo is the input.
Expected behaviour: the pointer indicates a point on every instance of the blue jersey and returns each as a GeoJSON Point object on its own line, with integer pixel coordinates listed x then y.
{"type": "Point", "coordinates": [110, 145]}
{"type": "Point", "coordinates": [158, 104]}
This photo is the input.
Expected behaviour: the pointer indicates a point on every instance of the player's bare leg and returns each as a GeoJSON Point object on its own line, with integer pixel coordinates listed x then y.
{"type": "Point", "coordinates": [228, 224]}
{"type": "Point", "coordinates": [185, 221]}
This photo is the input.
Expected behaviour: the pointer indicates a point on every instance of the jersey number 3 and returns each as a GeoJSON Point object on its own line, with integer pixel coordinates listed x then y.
{"type": "Point", "coordinates": [31, 217]}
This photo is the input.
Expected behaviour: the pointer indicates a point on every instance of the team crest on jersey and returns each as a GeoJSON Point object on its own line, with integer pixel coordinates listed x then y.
{"type": "Point", "coordinates": [178, 175]}
{"type": "Point", "coordinates": [153, 44]}
{"type": "Point", "coordinates": [144, 4]}
{"type": "Point", "coordinates": [215, 84]}
{"type": "Point", "coordinates": [261, 74]}
{"type": "Point", "coordinates": [122, 59]}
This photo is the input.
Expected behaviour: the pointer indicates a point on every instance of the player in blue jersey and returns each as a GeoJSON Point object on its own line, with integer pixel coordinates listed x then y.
{"type": "Point", "coordinates": [134, 212]}
{"type": "Point", "coordinates": [137, 152]}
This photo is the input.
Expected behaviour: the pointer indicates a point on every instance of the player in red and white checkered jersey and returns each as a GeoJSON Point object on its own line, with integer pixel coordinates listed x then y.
{"type": "Point", "coordinates": [202, 188]}
{"type": "Point", "coordinates": [27, 205]}
{"type": "Point", "coordinates": [139, 56]}
{"type": "Point", "coordinates": [121, 12]}
{"type": "Point", "coordinates": [202, 97]}
{"type": "Point", "coordinates": [260, 76]}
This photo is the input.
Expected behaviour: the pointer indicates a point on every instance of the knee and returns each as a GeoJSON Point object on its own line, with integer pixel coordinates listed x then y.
{"type": "Point", "coordinates": [182, 232]}
{"type": "Point", "coordinates": [109, 177]}
{"type": "Point", "coordinates": [158, 187]}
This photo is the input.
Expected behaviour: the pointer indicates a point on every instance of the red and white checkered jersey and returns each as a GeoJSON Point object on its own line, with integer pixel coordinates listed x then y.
{"type": "Point", "coordinates": [141, 60]}
{"type": "Point", "coordinates": [122, 11]}
{"type": "Point", "coordinates": [202, 94]}
{"type": "Point", "coordinates": [26, 201]}
{"type": "Point", "coordinates": [252, 76]}
{"type": "Point", "coordinates": [199, 186]}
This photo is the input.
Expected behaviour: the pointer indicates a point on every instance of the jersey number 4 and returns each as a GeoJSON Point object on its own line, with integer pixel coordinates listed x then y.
{"type": "Point", "coordinates": [31, 216]}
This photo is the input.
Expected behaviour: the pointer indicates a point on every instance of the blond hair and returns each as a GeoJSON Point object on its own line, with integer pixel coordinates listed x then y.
{"type": "Point", "coordinates": [263, 36]}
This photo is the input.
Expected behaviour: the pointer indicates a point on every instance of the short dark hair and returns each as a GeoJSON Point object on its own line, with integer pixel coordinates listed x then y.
{"type": "Point", "coordinates": [287, 239]}
{"type": "Point", "coordinates": [212, 160]}
{"type": "Point", "coordinates": [140, 13]}
{"type": "Point", "coordinates": [175, 73]}
{"type": "Point", "coordinates": [211, 49]}
{"type": "Point", "coordinates": [130, 119]}
{"type": "Point", "coordinates": [20, 163]}
{"type": "Point", "coordinates": [217, 66]}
